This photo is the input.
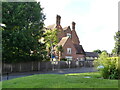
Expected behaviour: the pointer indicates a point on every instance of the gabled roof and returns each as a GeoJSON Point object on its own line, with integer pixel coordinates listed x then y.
{"type": "Point", "coordinates": [63, 41]}
{"type": "Point", "coordinates": [79, 49]}
{"type": "Point", "coordinates": [65, 28]}
{"type": "Point", "coordinates": [91, 54]}
{"type": "Point", "coordinates": [51, 26]}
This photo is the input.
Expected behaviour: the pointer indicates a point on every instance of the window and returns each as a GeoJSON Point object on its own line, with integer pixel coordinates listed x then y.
{"type": "Point", "coordinates": [68, 57]}
{"type": "Point", "coordinates": [69, 35]}
{"type": "Point", "coordinates": [68, 50]}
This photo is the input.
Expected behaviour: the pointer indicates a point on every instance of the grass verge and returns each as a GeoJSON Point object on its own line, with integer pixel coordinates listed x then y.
{"type": "Point", "coordinates": [74, 80]}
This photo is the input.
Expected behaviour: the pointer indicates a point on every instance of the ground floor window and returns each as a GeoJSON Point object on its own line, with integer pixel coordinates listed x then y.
{"type": "Point", "coordinates": [68, 57]}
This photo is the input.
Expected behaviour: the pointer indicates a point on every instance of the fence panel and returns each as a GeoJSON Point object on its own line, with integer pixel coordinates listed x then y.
{"type": "Point", "coordinates": [6, 68]}
{"type": "Point", "coordinates": [25, 66]}
{"type": "Point", "coordinates": [44, 66]}
{"type": "Point", "coordinates": [48, 66]}
{"type": "Point", "coordinates": [73, 64]}
{"type": "Point", "coordinates": [81, 63]}
{"type": "Point", "coordinates": [35, 66]}
{"type": "Point", "coordinates": [63, 64]}
{"type": "Point", "coordinates": [16, 67]}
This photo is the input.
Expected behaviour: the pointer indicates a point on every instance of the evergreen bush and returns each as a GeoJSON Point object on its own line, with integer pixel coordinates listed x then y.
{"type": "Point", "coordinates": [110, 65]}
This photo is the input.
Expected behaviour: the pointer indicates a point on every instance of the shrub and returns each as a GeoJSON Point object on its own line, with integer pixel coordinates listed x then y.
{"type": "Point", "coordinates": [110, 64]}
{"type": "Point", "coordinates": [63, 59]}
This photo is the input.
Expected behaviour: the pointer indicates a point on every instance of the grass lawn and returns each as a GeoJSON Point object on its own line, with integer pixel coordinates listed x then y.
{"type": "Point", "coordinates": [75, 80]}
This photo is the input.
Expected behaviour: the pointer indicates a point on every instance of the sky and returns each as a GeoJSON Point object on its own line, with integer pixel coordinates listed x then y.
{"type": "Point", "coordinates": [96, 20]}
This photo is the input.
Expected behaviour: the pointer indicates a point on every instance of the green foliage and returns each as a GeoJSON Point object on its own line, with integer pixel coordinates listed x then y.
{"type": "Point", "coordinates": [110, 70]}
{"type": "Point", "coordinates": [104, 51]}
{"type": "Point", "coordinates": [50, 40]}
{"type": "Point", "coordinates": [24, 27]}
{"type": "Point", "coordinates": [116, 50]}
{"type": "Point", "coordinates": [98, 51]}
{"type": "Point", "coordinates": [51, 37]}
{"type": "Point", "coordinates": [59, 50]}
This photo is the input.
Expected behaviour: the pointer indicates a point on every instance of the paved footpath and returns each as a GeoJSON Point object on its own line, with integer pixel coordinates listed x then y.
{"type": "Point", "coordinates": [60, 71]}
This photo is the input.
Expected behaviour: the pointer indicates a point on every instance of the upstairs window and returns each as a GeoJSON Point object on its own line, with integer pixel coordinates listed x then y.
{"type": "Point", "coordinates": [69, 35]}
{"type": "Point", "coordinates": [69, 50]}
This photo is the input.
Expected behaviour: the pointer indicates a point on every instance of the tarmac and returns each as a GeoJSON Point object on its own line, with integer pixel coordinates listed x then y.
{"type": "Point", "coordinates": [57, 71]}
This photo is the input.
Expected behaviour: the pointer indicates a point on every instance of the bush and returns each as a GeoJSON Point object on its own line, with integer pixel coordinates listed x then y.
{"type": "Point", "coordinates": [63, 59]}
{"type": "Point", "coordinates": [110, 64]}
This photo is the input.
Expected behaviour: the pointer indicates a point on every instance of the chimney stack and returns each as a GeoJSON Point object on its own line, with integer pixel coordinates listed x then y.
{"type": "Point", "coordinates": [73, 25]}
{"type": "Point", "coordinates": [58, 18]}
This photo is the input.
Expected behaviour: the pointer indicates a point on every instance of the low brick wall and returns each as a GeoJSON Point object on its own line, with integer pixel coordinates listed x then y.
{"type": "Point", "coordinates": [44, 66]}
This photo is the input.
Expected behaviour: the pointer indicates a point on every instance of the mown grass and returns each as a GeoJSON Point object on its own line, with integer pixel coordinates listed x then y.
{"type": "Point", "coordinates": [75, 80]}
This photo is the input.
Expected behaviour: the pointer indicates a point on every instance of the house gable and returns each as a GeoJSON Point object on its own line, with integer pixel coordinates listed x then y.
{"type": "Point", "coordinates": [66, 45]}
{"type": "Point", "coordinates": [67, 31]}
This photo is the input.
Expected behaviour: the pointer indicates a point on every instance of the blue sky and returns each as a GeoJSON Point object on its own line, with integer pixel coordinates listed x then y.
{"type": "Point", "coordinates": [96, 20]}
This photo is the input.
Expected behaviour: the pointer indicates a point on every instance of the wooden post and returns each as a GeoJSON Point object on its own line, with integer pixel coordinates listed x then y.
{"type": "Point", "coordinates": [32, 66]}
{"type": "Point", "coordinates": [38, 66]}
{"type": "Point", "coordinates": [20, 67]}
{"type": "Point", "coordinates": [11, 68]}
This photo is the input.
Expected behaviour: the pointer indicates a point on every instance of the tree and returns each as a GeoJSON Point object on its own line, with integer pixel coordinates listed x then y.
{"type": "Point", "coordinates": [59, 50]}
{"type": "Point", "coordinates": [98, 51]}
{"type": "Point", "coordinates": [116, 49]}
{"type": "Point", "coordinates": [104, 51]}
{"type": "Point", "coordinates": [50, 40]}
{"type": "Point", "coordinates": [24, 27]}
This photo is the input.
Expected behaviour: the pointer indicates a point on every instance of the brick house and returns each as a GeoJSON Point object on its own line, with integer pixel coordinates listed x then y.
{"type": "Point", "coordinates": [69, 40]}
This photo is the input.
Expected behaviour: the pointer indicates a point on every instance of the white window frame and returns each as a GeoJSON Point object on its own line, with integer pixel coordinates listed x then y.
{"type": "Point", "coordinates": [68, 35]}
{"type": "Point", "coordinates": [69, 50]}
{"type": "Point", "coordinates": [68, 57]}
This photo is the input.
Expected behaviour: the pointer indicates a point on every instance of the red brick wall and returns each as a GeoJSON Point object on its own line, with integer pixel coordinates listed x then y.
{"type": "Point", "coordinates": [69, 44]}
{"type": "Point", "coordinates": [75, 38]}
